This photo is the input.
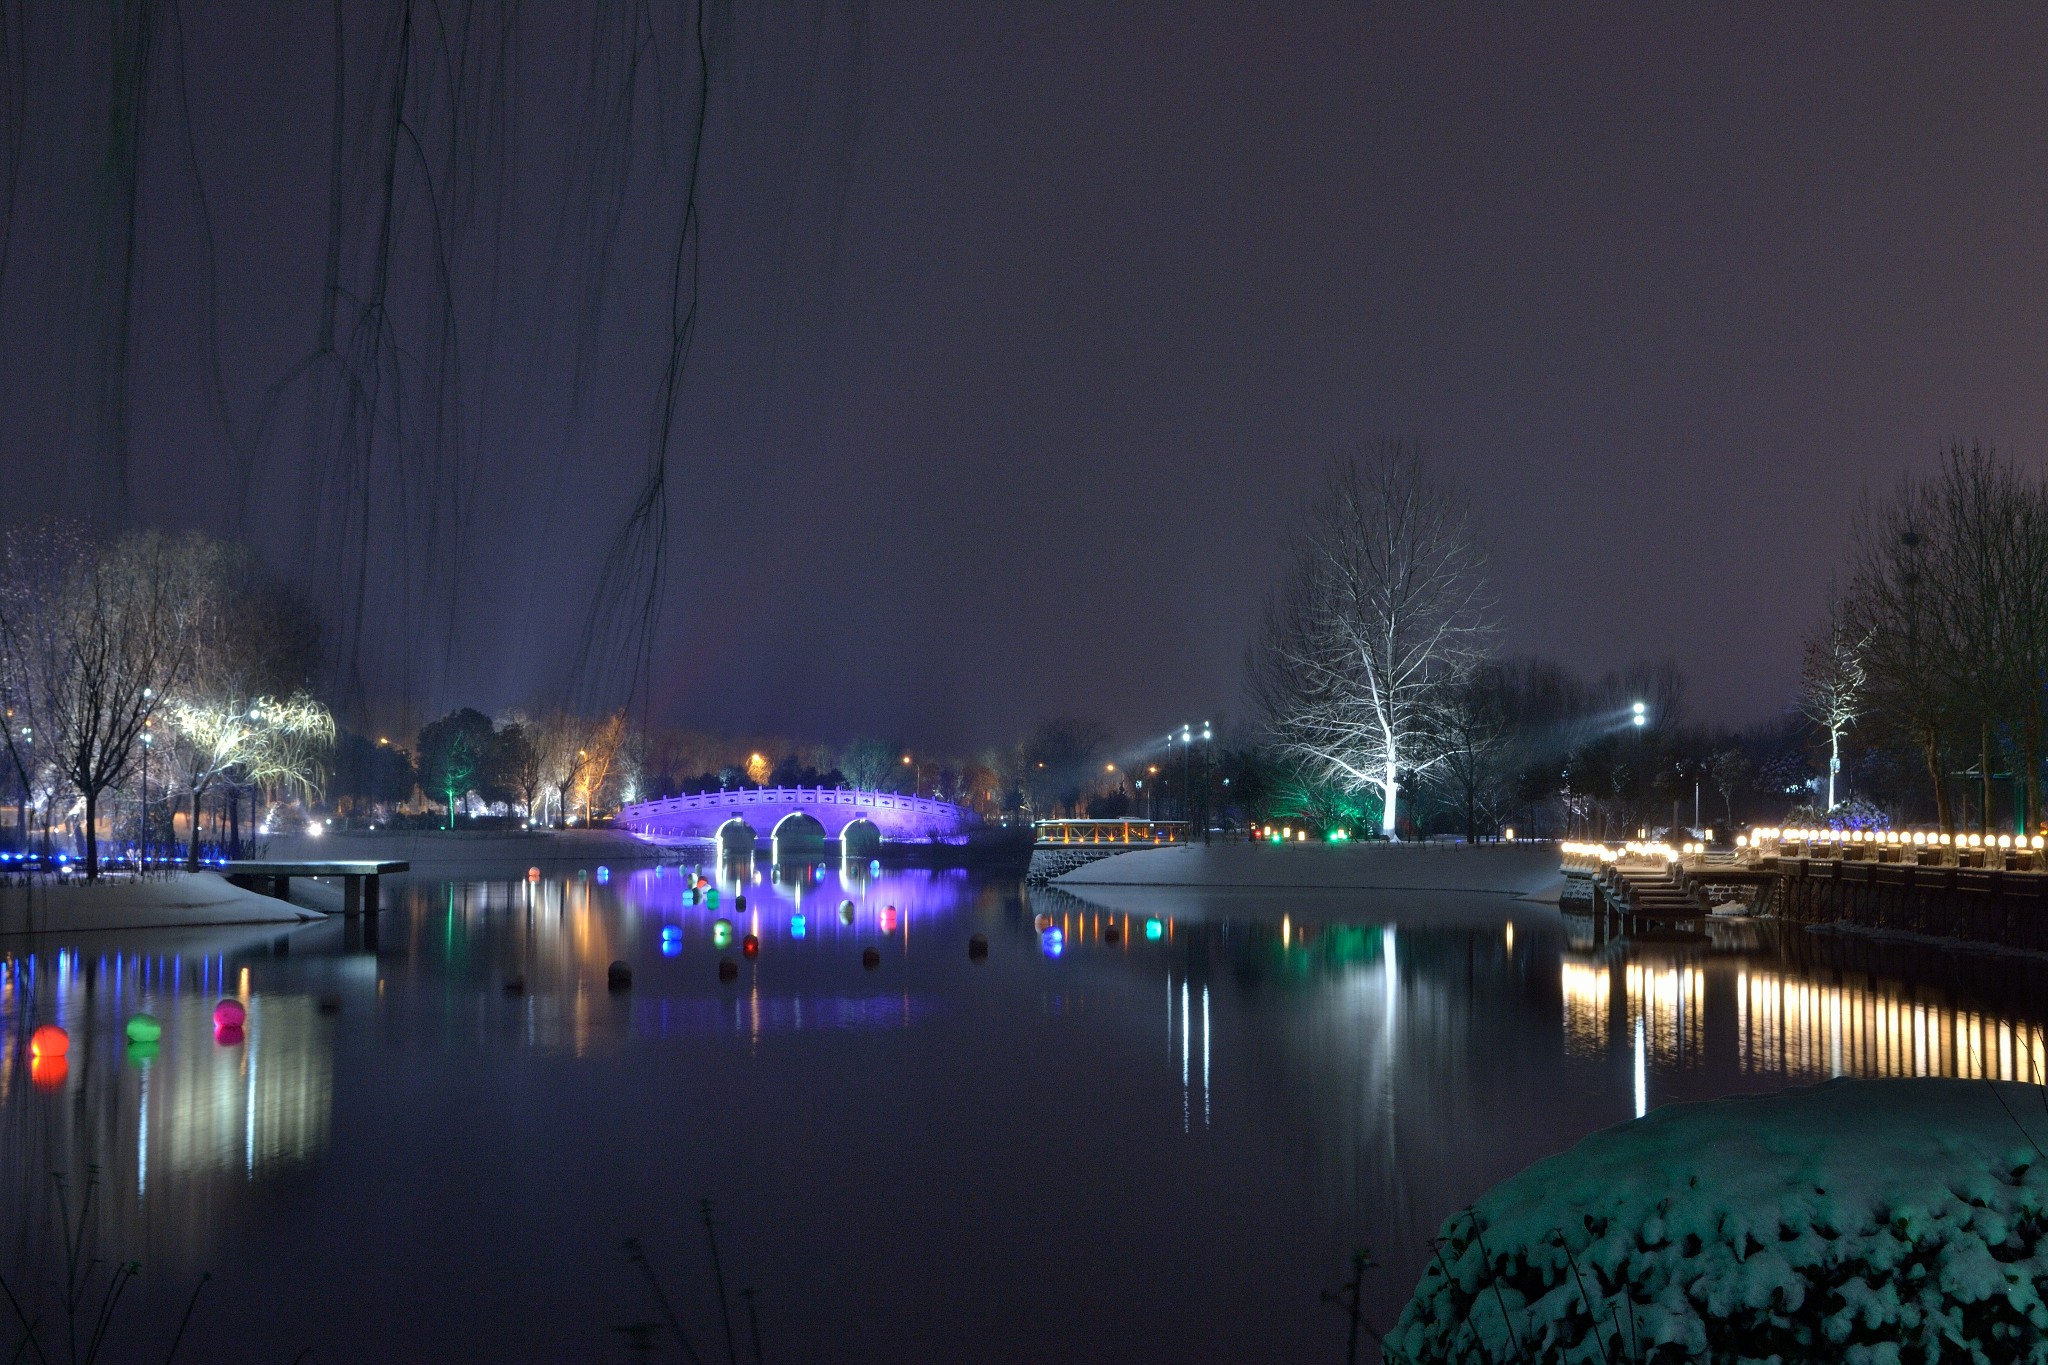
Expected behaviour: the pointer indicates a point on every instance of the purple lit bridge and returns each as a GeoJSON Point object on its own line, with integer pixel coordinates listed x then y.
{"type": "Point", "coordinates": [797, 819]}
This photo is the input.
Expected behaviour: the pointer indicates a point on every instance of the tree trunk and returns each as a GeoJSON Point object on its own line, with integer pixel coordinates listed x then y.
{"type": "Point", "coordinates": [1388, 786]}
{"type": "Point", "coordinates": [1984, 776]}
{"type": "Point", "coordinates": [1930, 749]}
{"type": "Point", "coordinates": [2030, 754]}
{"type": "Point", "coordinates": [235, 820]}
{"type": "Point", "coordinates": [192, 845]}
{"type": "Point", "coordinates": [92, 835]}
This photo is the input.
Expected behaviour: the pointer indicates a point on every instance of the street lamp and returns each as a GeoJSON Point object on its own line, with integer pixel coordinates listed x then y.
{"type": "Point", "coordinates": [148, 740]}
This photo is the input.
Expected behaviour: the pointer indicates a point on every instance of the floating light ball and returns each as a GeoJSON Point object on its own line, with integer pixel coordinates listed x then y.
{"type": "Point", "coordinates": [604, 874]}
{"type": "Point", "coordinates": [727, 969]}
{"type": "Point", "coordinates": [48, 1073]}
{"type": "Point", "coordinates": [1154, 930]}
{"type": "Point", "coordinates": [144, 1028]}
{"type": "Point", "coordinates": [846, 912]}
{"type": "Point", "coordinates": [977, 948]}
{"type": "Point", "coordinates": [1041, 922]}
{"type": "Point", "coordinates": [796, 926]}
{"type": "Point", "coordinates": [874, 865]}
{"type": "Point", "coordinates": [888, 919]}
{"type": "Point", "coordinates": [533, 874]}
{"type": "Point", "coordinates": [618, 976]}
{"type": "Point", "coordinates": [870, 959]}
{"type": "Point", "coordinates": [1053, 942]}
{"type": "Point", "coordinates": [49, 1041]}
{"type": "Point", "coordinates": [671, 947]}
{"type": "Point", "coordinates": [142, 1054]}
{"type": "Point", "coordinates": [739, 902]}
{"type": "Point", "coordinates": [1112, 935]}
{"type": "Point", "coordinates": [229, 1012]}
{"type": "Point", "coordinates": [721, 933]}
{"type": "Point", "coordinates": [672, 931]}
{"type": "Point", "coordinates": [228, 1035]}
{"type": "Point", "coordinates": [711, 898]}
{"type": "Point", "coordinates": [751, 946]}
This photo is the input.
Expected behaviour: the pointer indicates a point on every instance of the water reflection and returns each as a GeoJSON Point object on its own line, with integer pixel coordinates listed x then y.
{"type": "Point", "coordinates": [1334, 1070]}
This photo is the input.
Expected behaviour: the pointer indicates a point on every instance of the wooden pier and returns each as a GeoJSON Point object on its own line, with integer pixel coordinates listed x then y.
{"type": "Point", "coordinates": [360, 879]}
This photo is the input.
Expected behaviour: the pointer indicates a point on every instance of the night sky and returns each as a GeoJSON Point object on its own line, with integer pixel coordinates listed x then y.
{"type": "Point", "coordinates": [1024, 329]}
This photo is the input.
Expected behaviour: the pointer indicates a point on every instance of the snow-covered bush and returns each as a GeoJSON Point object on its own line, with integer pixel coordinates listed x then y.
{"type": "Point", "coordinates": [1880, 1221]}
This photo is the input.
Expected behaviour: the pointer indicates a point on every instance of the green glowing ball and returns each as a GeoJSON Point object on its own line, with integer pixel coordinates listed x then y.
{"type": "Point", "coordinates": [721, 933]}
{"type": "Point", "coordinates": [143, 1028]}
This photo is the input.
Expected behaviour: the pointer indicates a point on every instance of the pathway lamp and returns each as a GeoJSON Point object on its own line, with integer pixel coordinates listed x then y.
{"type": "Point", "coordinates": [1641, 715]}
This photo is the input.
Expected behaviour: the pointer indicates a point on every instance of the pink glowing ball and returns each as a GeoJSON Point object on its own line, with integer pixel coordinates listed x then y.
{"type": "Point", "coordinates": [229, 1014]}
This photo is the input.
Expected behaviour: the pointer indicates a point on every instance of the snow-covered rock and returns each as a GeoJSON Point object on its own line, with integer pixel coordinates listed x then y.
{"type": "Point", "coordinates": [1879, 1221]}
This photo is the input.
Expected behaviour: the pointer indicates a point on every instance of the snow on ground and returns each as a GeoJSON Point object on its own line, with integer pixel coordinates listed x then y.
{"type": "Point", "coordinates": [1529, 870]}
{"type": "Point", "coordinates": [172, 900]}
{"type": "Point", "coordinates": [1878, 1221]}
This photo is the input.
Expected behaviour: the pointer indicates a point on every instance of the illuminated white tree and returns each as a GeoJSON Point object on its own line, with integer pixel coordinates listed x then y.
{"type": "Point", "coordinates": [1384, 609]}
{"type": "Point", "coordinates": [269, 741]}
{"type": "Point", "coordinates": [1833, 683]}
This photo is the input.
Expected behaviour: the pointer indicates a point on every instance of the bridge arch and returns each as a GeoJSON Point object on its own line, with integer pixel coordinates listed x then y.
{"type": "Point", "coordinates": [736, 839]}
{"type": "Point", "coordinates": [860, 840]}
{"type": "Point", "coordinates": [797, 838]}
{"type": "Point", "coordinates": [698, 817]}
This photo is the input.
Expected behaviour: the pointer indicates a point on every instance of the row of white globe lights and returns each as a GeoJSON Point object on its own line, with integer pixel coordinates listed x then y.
{"type": "Point", "coordinates": [1889, 837]}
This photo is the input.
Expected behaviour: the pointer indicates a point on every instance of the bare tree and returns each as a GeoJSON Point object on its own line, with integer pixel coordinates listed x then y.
{"type": "Point", "coordinates": [1832, 682]}
{"type": "Point", "coordinates": [1384, 610]}
{"type": "Point", "coordinates": [128, 642]}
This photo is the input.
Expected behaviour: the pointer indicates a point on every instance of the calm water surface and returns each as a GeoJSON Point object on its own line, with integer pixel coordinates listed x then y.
{"type": "Point", "coordinates": [1157, 1149]}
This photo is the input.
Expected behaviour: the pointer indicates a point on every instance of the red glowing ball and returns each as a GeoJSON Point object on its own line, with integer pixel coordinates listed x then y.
{"type": "Point", "coordinates": [750, 945]}
{"type": "Point", "coordinates": [229, 1013]}
{"type": "Point", "coordinates": [48, 1073]}
{"type": "Point", "coordinates": [49, 1041]}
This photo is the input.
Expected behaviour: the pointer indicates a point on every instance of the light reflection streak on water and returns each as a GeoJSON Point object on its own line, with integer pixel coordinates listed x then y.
{"type": "Point", "coordinates": [1184, 1055]}
{"type": "Point", "coordinates": [1789, 1026]}
{"type": "Point", "coordinates": [1205, 1056]}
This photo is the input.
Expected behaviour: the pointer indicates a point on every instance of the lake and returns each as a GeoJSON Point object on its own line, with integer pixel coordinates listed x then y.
{"type": "Point", "coordinates": [1153, 1148]}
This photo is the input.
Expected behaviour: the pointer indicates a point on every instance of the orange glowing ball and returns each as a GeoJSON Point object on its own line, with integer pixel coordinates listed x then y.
{"type": "Point", "coordinates": [533, 874]}
{"type": "Point", "coordinates": [48, 1073]}
{"type": "Point", "coordinates": [49, 1041]}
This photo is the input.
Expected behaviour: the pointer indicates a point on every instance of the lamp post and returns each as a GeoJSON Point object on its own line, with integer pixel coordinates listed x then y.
{"type": "Point", "coordinates": [148, 741]}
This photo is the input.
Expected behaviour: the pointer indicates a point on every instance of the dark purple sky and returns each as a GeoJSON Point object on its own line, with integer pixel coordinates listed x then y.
{"type": "Point", "coordinates": [1024, 328]}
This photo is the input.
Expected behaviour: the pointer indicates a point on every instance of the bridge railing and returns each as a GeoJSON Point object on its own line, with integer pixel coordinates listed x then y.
{"type": "Point", "coordinates": [1109, 831]}
{"type": "Point", "coordinates": [740, 798]}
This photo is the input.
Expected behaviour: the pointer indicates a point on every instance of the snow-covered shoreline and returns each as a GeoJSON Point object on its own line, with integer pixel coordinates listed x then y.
{"type": "Point", "coordinates": [1527, 870]}
{"type": "Point", "coordinates": [175, 900]}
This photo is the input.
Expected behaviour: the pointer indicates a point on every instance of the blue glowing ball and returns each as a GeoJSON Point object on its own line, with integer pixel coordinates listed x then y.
{"type": "Point", "coordinates": [875, 865]}
{"type": "Point", "coordinates": [796, 926]}
{"type": "Point", "coordinates": [670, 947]}
{"type": "Point", "coordinates": [1053, 942]}
{"type": "Point", "coordinates": [1153, 929]}
{"type": "Point", "coordinates": [604, 874]}
{"type": "Point", "coordinates": [672, 931]}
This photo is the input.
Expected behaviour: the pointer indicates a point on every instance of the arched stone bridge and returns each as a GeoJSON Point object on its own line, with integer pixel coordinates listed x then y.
{"type": "Point", "coordinates": [768, 811]}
